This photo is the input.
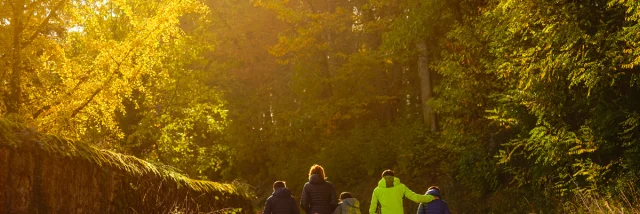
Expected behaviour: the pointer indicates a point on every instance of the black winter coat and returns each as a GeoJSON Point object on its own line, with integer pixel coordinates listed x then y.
{"type": "Point", "coordinates": [281, 202]}
{"type": "Point", "coordinates": [318, 196]}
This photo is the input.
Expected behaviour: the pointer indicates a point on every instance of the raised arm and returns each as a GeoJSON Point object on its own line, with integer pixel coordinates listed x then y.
{"type": "Point", "coordinates": [417, 197]}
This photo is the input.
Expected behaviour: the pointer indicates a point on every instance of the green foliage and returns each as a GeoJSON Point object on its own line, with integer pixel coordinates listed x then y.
{"type": "Point", "coordinates": [534, 100]}
{"type": "Point", "coordinates": [128, 76]}
{"type": "Point", "coordinates": [531, 98]}
{"type": "Point", "coordinates": [549, 81]}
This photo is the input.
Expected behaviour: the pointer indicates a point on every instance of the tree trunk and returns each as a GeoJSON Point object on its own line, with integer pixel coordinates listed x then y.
{"type": "Point", "coordinates": [15, 80]}
{"type": "Point", "coordinates": [329, 56]}
{"type": "Point", "coordinates": [426, 85]}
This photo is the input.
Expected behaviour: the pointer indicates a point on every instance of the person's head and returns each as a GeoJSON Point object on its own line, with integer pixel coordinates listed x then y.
{"type": "Point", "coordinates": [279, 184]}
{"type": "Point", "coordinates": [388, 172]}
{"type": "Point", "coordinates": [434, 190]}
{"type": "Point", "coordinates": [388, 177]}
{"type": "Point", "coordinates": [345, 195]}
{"type": "Point", "coordinates": [317, 169]}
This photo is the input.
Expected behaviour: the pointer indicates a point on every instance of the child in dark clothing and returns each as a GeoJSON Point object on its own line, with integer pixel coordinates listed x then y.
{"type": "Point", "coordinates": [281, 202]}
{"type": "Point", "coordinates": [437, 206]}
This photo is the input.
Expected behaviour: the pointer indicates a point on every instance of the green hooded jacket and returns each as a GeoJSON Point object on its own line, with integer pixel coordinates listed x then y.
{"type": "Point", "coordinates": [390, 198]}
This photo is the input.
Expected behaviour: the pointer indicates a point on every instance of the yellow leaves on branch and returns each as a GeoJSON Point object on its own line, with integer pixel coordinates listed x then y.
{"type": "Point", "coordinates": [122, 46]}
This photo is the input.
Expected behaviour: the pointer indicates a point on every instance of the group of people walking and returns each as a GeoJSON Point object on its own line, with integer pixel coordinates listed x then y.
{"type": "Point", "coordinates": [319, 197]}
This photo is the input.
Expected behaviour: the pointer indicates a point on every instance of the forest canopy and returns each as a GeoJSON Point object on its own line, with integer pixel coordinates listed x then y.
{"type": "Point", "coordinates": [509, 106]}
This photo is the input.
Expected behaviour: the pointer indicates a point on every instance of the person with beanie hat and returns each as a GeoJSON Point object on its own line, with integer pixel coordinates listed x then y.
{"type": "Point", "coordinates": [389, 194]}
{"type": "Point", "coordinates": [437, 206]}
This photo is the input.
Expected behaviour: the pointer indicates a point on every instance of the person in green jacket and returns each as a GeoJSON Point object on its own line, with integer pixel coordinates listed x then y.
{"type": "Point", "coordinates": [389, 194]}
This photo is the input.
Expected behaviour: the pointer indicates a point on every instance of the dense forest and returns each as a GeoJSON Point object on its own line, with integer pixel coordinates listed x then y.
{"type": "Point", "coordinates": [509, 106]}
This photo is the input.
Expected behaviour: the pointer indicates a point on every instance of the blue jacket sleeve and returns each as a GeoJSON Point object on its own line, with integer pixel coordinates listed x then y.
{"type": "Point", "coordinates": [421, 208]}
{"type": "Point", "coordinates": [446, 208]}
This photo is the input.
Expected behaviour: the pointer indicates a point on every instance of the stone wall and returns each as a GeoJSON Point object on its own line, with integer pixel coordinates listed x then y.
{"type": "Point", "coordinates": [45, 174]}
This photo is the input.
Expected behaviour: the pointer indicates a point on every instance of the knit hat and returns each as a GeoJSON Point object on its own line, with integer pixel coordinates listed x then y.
{"type": "Point", "coordinates": [433, 192]}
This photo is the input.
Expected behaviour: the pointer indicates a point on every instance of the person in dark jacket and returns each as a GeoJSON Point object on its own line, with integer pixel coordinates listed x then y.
{"type": "Point", "coordinates": [348, 204]}
{"type": "Point", "coordinates": [318, 195]}
{"type": "Point", "coordinates": [437, 206]}
{"type": "Point", "coordinates": [281, 202]}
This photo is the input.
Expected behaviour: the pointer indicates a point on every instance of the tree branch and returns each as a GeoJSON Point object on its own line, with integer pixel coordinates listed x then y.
{"type": "Point", "coordinates": [41, 26]}
{"type": "Point", "coordinates": [93, 95]}
{"type": "Point", "coordinates": [47, 107]}
{"type": "Point", "coordinates": [97, 91]}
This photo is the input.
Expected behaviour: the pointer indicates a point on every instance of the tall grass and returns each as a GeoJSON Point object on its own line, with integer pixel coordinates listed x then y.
{"type": "Point", "coordinates": [623, 201]}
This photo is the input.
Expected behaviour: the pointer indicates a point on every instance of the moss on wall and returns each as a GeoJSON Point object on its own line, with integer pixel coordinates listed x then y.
{"type": "Point", "coordinates": [42, 173]}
